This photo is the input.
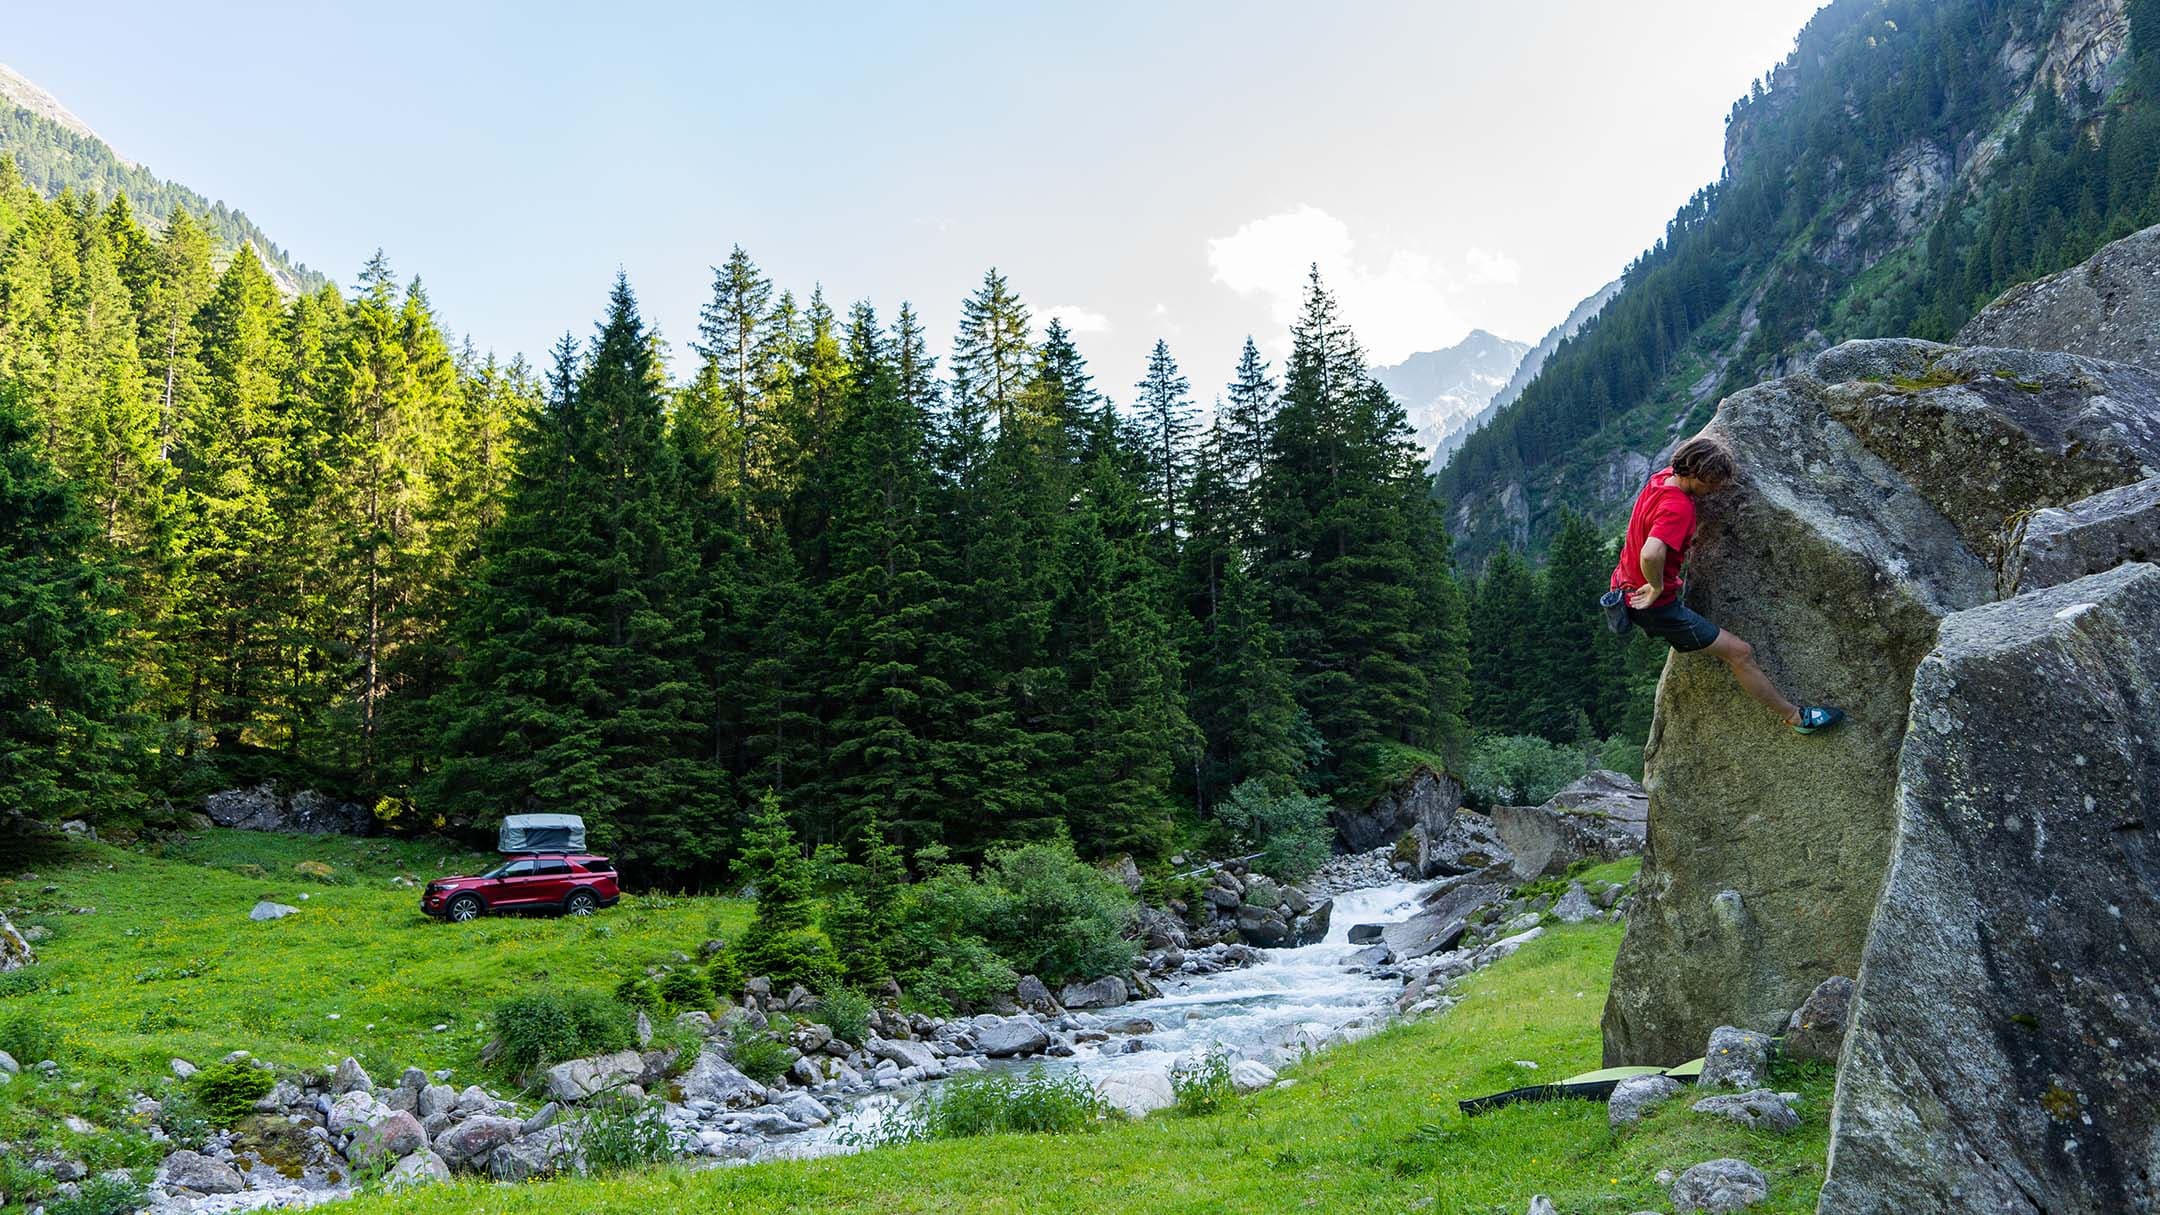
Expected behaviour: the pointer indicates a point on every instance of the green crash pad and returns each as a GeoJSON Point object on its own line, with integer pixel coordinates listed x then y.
{"type": "Point", "coordinates": [1589, 1086]}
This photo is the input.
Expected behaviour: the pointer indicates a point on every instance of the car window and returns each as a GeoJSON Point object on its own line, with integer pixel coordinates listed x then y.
{"type": "Point", "coordinates": [500, 870]}
{"type": "Point", "coordinates": [548, 866]}
{"type": "Point", "coordinates": [597, 864]}
{"type": "Point", "coordinates": [513, 869]}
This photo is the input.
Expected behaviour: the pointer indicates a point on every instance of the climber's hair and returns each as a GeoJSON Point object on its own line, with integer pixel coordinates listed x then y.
{"type": "Point", "coordinates": [1705, 459]}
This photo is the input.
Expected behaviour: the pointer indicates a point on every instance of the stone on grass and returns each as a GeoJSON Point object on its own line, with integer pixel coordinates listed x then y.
{"type": "Point", "coordinates": [1251, 1075]}
{"type": "Point", "coordinates": [351, 1077]}
{"type": "Point", "coordinates": [8, 1065]}
{"type": "Point", "coordinates": [420, 1168]}
{"type": "Point", "coordinates": [396, 1135]}
{"type": "Point", "coordinates": [1736, 1058]}
{"type": "Point", "coordinates": [1634, 1096]}
{"type": "Point", "coordinates": [712, 1078]}
{"type": "Point", "coordinates": [1575, 906]}
{"type": "Point", "coordinates": [187, 1170]}
{"type": "Point", "coordinates": [1138, 1093]}
{"type": "Point", "coordinates": [1541, 1205]}
{"type": "Point", "coordinates": [267, 910]}
{"type": "Point", "coordinates": [1759, 1109]}
{"type": "Point", "coordinates": [436, 1099]}
{"type": "Point", "coordinates": [1817, 1028]}
{"type": "Point", "coordinates": [1719, 1186]}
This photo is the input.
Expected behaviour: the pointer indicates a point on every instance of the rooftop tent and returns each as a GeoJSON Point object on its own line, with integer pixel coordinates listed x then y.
{"type": "Point", "coordinates": [542, 833]}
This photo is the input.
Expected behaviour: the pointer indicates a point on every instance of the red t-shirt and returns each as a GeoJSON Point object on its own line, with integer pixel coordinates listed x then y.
{"type": "Point", "coordinates": [1668, 514]}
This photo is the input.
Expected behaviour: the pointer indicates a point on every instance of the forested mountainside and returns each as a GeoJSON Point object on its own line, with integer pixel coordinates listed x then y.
{"type": "Point", "coordinates": [1906, 163]}
{"type": "Point", "coordinates": [1442, 390]}
{"type": "Point", "coordinates": [54, 152]}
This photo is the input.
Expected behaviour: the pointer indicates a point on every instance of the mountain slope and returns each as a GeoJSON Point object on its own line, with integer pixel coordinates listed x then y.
{"type": "Point", "coordinates": [1442, 390]}
{"type": "Point", "coordinates": [54, 150]}
{"type": "Point", "coordinates": [1909, 161]}
{"type": "Point", "coordinates": [1526, 370]}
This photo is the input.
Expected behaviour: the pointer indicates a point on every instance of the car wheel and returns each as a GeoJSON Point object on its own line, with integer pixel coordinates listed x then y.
{"type": "Point", "coordinates": [464, 908]}
{"type": "Point", "coordinates": [580, 902]}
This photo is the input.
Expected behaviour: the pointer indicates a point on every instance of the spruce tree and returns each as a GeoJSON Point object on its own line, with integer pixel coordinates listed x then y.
{"type": "Point", "coordinates": [1165, 418]}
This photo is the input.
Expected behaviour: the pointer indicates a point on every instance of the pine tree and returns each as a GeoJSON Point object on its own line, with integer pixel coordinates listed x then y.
{"type": "Point", "coordinates": [735, 357]}
{"type": "Point", "coordinates": [62, 695]}
{"type": "Point", "coordinates": [1166, 419]}
{"type": "Point", "coordinates": [1576, 659]}
{"type": "Point", "coordinates": [1503, 674]}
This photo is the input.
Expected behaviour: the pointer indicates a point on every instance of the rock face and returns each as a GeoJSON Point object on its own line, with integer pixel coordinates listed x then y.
{"type": "Point", "coordinates": [2005, 1037]}
{"type": "Point", "coordinates": [1428, 796]}
{"type": "Point", "coordinates": [2111, 528]}
{"type": "Point", "coordinates": [2108, 308]}
{"type": "Point", "coordinates": [1876, 497]}
{"type": "Point", "coordinates": [263, 808]}
{"type": "Point", "coordinates": [1545, 841]}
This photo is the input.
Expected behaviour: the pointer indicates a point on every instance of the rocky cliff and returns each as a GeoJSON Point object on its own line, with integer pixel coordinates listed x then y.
{"type": "Point", "coordinates": [1947, 542]}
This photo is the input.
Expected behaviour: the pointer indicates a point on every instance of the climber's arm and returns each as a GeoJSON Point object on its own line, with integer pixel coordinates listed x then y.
{"type": "Point", "coordinates": [1653, 572]}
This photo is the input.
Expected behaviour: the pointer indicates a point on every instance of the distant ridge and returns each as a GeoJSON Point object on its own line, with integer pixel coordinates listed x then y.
{"type": "Point", "coordinates": [1442, 390]}
{"type": "Point", "coordinates": [55, 151]}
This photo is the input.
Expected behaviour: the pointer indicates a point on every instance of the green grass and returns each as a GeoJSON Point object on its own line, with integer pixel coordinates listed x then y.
{"type": "Point", "coordinates": [168, 964]}
{"type": "Point", "coordinates": [1369, 1127]}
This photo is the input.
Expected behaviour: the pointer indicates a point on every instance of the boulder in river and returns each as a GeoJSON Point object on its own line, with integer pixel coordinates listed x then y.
{"type": "Point", "coordinates": [1004, 1037]}
{"type": "Point", "coordinates": [1106, 992]}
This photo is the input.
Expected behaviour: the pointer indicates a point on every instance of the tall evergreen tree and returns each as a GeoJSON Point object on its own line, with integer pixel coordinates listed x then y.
{"type": "Point", "coordinates": [1166, 420]}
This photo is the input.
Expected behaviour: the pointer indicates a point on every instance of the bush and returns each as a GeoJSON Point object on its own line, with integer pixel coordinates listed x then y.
{"type": "Point", "coordinates": [548, 1027]}
{"type": "Point", "coordinates": [757, 1054]}
{"type": "Point", "coordinates": [1202, 1085]}
{"type": "Point", "coordinates": [1621, 754]}
{"type": "Point", "coordinates": [798, 955]}
{"type": "Point", "coordinates": [1049, 913]}
{"type": "Point", "coordinates": [1289, 829]}
{"type": "Point", "coordinates": [685, 988]}
{"type": "Point", "coordinates": [227, 1092]}
{"type": "Point", "coordinates": [990, 1104]}
{"type": "Point", "coordinates": [102, 1195]}
{"type": "Point", "coordinates": [1519, 769]}
{"type": "Point", "coordinates": [637, 991]}
{"type": "Point", "coordinates": [954, 971]}
{"type": "Point", "coordinates": [29, 1036]}
{"type": "Point", "coordinates": [844, 1011]}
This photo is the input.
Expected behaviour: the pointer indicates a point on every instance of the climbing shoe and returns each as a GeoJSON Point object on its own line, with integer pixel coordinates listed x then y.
{"type": "Point", "coordinates": [1812, 719]}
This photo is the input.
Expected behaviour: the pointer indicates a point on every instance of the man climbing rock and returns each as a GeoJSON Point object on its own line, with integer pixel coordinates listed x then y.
{"type": "Point", "coordinates": [1647, 581]}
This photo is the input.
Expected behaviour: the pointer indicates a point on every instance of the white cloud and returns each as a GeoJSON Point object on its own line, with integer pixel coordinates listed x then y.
{"type": "Point", "coordinates": [1398, 305]}
{"type": "Point", "coordinates": [1077, 319]}
{"type": "Point", "coordinates": [1488, 267]}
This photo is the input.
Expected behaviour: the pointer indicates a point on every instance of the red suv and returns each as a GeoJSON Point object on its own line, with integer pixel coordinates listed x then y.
{"type": "Point", "coordinates": [572, 883]}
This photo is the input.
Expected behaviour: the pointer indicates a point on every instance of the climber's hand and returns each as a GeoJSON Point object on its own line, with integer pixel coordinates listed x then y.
{"type": "Point", "coordinates": [1642, 597]}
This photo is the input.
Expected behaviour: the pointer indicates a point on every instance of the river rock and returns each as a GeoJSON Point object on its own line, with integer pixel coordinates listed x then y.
{"type": "Point", "coordinates": [470, 1142]}
{"type": "Point", "coordinates": [1719, 1186]}
{"type": "Point", "coordinates": [712, 1078]}
{"type": "Point", "coordinates": [350, 1077]}
{"type": "Point", "coordinates": [578, 1079]}
{"type": "Point", "coordinates": [1428, 797]}
{"type": "Point", "coordinates": [1448, 909]}
{"type": "Point", "coordinates": [1158, 930]}
{"type": "Point", "coordinates": [1366, 934]}
{"type": "Point", "coordinates": [1817, 1028]}
{"type": "Point", "coordinates": [905, 1054]}
{"type": "Point", "coordinates": [1004, 1037]}
{"type": "Point", "coordinates": [1863, 515]}
{"type": "Point", "coordinates": [2089, 536]}
{"type": "Point", "coordinates": [15, 951]}
{"type": "Point", "coordinates": [1106, 992]}
{"type": "Point", "coordinates": [1136, 1093]}
{"type": "Point", "coordinates": [393, 1134]}
{"type": "Point", "coordinates": [1465, 843]}
{"type": "Point", "coordinates": [1633, 1097]}
{"type": "Point", "coordinates": [1311, 928]}
{"type": "Point", "coordinates": [189, 1170]}
{"type": "Point", "coordinates": [1262, 926]}
{"type": "Point", "coordinates": [421, 1168]}
{"type": "Point", "coordinates": [2005, 1030]}
{"type": "Point", "coordinates": [804, 1108]}
{"type": "Point", "coordinates": [1034, 995]}
{"type": "Point", "coordinates": [2108, 308]}
{"type": "Point", "coordinates": [1251, 1075]}
{"type": "Point", "coordinates": [267, 910]}
{"type": "Point", "coordinates": [1545, 840]}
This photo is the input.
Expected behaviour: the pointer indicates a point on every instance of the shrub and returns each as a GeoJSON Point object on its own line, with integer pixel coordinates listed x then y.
{"type": "Point", "coordinates": [1289, 829]}
{"type": "Point", "coordinates": [757, 1054]}
{"type": "Point", "coordinates": [28, 1035]}
{"type": "Point", "coordinates": [182, 1115]}
{"type": "Point", "coordinates": [1202, 1085]}
{"type": "Point", "coordinates": [685, 988]}
{"type": "Point", "coordinates": [102, 1195]}
{"type": "Point", "coordinates": [1621, 754]}
{"type": "Point", "coordinates": [21, 982]}
{"type": "Point", "coordinates": [844, 1011]}
{"type": "Point", "coordinates": [637, 991]}
{"type": "Point", "coordinates": [990, 1104]}
{"type": "Point", "coordinates": [798, 955]}
{"type": "Point", "coordinates": [548, 1027]}
{"type": "Point", "coordinates": [226, 1092]}
{"type": "Point", "coordinates": [954, 970]}
{"type": "Point", "coordinates": [1519, 769]}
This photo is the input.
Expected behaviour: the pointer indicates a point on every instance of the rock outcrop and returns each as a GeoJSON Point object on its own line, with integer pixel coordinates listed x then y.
{"type": "Point", "coordinates": [1428, 799]}
{"type": "Point", "coordinates": [2005, 1038]}
{"type": "Point", "coordinates": [1603, 816]}
{"type": "Point", "coordinates": [1879, 494]}
{"type": "Point", "coordinates": [263, 808]}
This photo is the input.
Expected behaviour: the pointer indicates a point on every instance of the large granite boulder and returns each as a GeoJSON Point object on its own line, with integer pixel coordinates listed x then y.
{"type": "Point", "coordinates": [2108, 308]}
{"type": "Point", "coordinates": [1877, 495]}
{"type": "Point", "coordinates": [263, 808]}
{"type": "Point", "coordinates": [1582, 822]}
{"type": "Point", "coordinates": [1464, 842]}
{"type": "Point", "coordinates": [712, 1078]}
{"type": "Point", "coordinates": [2005, 1039]}
{"type": "Point", "coordinates": [2111, 528]}
{"type": "Point", "coordinates": [1428, 798]}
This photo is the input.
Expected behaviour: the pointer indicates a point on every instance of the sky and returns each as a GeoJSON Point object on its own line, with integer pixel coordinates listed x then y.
{"type": "Point", "coordinates": [1142, 171]}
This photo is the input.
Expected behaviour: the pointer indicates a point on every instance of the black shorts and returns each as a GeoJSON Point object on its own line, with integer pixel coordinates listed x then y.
{"type": "Point", "coordinates": [1675, 625]}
